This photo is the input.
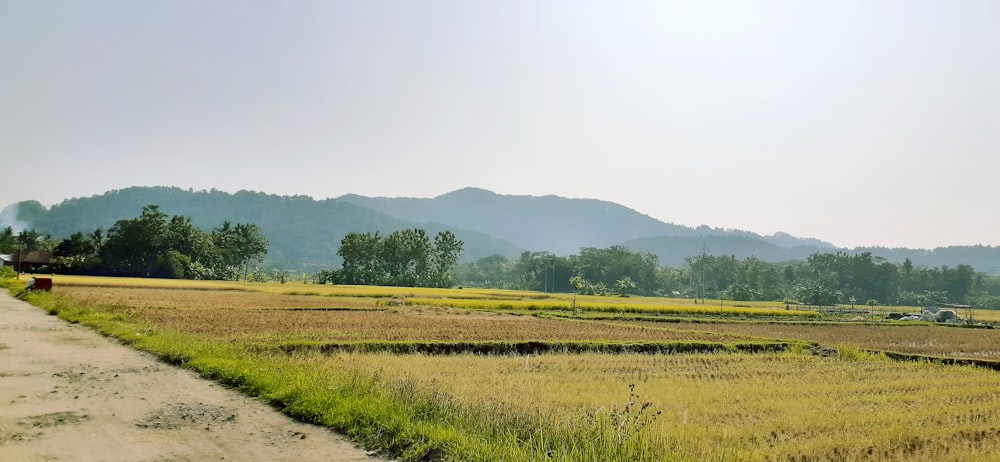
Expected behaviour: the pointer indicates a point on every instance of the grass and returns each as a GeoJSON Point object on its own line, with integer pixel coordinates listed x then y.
{"type": "Point", "coordinates": [912, 338]}
{"type": "Point", "coordinates": [604, 305]}
{"type": "Point", "coordinates": [350, 362]}
{"type": "Point", "coordinates": [740, 406]}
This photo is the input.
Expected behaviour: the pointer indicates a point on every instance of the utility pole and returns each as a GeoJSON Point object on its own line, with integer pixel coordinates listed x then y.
{"type": "Point", "coordinates": [701, 260]}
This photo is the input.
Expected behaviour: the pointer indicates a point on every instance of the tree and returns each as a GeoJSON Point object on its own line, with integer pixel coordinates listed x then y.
{"type": "Point", "coordinates": [494, 271]}
{"type": "Point", "coordinates": [133, 247]}
{"type": "Point", "coordinates": [607, 266]}
{"type": "Point", "coordinates": [958, 282]}
{"type": "Point", "coordinates": [251, 244]}
{"type": "Point", "coordinates": [76, 255]}
{"type": "Point", "coordinates": [97, 238]}
{"type": "Point", "coordinates": [404, 258]}
{"type": "Point", "coordinates": [819, 295]}
{"type": "Point", "coordinates": [579, 285]}
{"type": "Point", "coordinates": [447, 248]}
{"type": "Point", "coordinates": [236, 247]}
{"type": "Point", "coordinates": [699, 271]}
{"type": "Point", "coordinates": [361, 261]}
{"type": "Point", "coordinates": [155, 245]}
{"type": "Point", "coordinates": [8, 241]}
{"type": "Point", "coordinates": [624, 285]}
{"type": "Point", "coordinates": [537, 270]}
{"type": "Point", "coordinates": [29, 239]}
{"type": "Point", "coordinates": [741, 292]}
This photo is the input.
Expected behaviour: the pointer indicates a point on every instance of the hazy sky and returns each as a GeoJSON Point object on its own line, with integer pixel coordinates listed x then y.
{"type": "Point", "coordinates": [857, 122]}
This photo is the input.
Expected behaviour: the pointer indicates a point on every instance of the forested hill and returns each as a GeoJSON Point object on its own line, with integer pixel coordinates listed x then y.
{"type": "Point", "coordinates": [305, 234]}
{"type": "Point", "coordinates": [548, 223]}
{"type": "Point", "coordinates": [552, 223]}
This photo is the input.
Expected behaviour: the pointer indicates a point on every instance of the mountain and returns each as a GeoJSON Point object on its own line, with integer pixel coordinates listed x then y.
{"type": "Point", "coordinates": [305, 234]}
{"type": "Point", "coordinates": [788, 241]}
{"type": "Point", "coordinates": [672, 249]}
{"type": "Point", "coordinates": [551, 223]}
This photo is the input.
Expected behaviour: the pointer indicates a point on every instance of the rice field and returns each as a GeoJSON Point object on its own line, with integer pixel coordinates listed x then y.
{"type": "Point", "coordinates": [262, 317]}
{"type": "Point", "coordinates": [739, 406]}
{"type": "Point", "coordinates": [782, 404]}
{"type": "Point", "coordinates": [244, 312]}
{"type": "Point", "coordinates": [186, 299]}
{"type": "Point", "coordinates": [921, 339]}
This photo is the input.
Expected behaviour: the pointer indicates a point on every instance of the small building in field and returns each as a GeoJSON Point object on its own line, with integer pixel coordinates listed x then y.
{"type": "Point", "coordinates": [27, 261]}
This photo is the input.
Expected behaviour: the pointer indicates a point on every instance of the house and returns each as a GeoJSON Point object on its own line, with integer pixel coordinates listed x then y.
{"type": "Point", "coordinates": [27, 261]}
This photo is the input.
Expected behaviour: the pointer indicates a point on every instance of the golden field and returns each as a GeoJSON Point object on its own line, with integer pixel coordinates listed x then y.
{"type": "Point", "coordinates": [776, 406]}
{"type": "Point", "coordinates": [740, 406]}
{"type": "Point", "coordinates": [921, 339]}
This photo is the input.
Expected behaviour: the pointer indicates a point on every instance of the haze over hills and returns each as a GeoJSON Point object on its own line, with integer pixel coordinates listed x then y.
{"type": "Point", "coordinates": [556, 224]}
{"type": "Point", "coordinates": [304, 233]}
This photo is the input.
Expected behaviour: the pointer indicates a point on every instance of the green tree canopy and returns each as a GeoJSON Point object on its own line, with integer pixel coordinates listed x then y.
{"type": "Point", "coordinates": [403, 258]}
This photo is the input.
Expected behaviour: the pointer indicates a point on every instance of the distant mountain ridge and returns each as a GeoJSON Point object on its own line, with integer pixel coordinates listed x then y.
{"type": "Point", "coordinates": [551, 223]}
{"type": "Point", "coordinates": [305, 233]}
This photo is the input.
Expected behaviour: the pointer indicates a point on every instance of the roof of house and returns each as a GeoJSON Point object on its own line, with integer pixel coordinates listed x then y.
{"type": "Point", "coordinates": [32, 256]}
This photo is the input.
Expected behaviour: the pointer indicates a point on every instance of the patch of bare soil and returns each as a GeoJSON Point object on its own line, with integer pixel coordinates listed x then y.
{"type": "Point", "coordinates": [69, 394]}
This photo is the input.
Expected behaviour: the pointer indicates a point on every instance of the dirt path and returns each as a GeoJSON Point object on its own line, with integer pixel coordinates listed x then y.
{"type": "Point", "coordinates": [67, 393]}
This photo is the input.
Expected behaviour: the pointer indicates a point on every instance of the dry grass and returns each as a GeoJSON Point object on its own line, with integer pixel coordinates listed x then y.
{"type": "Point", "coordinates": [103, 281]}
{"type": "Point", "coordinates": [928, 340]}
{"type": "Point", "coordinates": [738, 406]}
{"type": "Point", "coordinates": [229, 315]}
{"type": "Point", "coordinates": [185, 299]}
{"type": "Point", "coordinates": [204, 311]}
{"type": "Point", "coordinates": [402, 325]}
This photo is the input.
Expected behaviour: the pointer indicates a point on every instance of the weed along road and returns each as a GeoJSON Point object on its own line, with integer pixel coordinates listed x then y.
{"type": "Point", "coordinates": [69, 394]}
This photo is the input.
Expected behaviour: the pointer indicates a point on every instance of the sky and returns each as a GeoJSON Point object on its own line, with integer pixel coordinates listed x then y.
{"type": "Point", "coordinates": [862, 123]}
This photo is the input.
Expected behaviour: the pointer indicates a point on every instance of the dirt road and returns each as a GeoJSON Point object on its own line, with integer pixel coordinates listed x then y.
{"type": "Point", "coordinates": [67, 393]}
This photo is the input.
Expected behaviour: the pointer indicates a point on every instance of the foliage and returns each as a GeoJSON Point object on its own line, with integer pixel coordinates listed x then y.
{"type": "Point", "coordinates": [155, 245]}
{"type": "Point", "coordinates": [236, 247]}
{"type": "Point", "coordinates": [405, 258]}
{"type": "Point", "coordinates": [823, 279]}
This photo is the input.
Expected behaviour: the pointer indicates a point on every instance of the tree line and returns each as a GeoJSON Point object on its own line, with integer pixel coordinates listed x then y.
{"type": "Point", "coordinates": [157, 245]}
{"type": "Point", "coordinates": [822, 279]}
{"type": "Point", "coordinates": [150, 245]}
